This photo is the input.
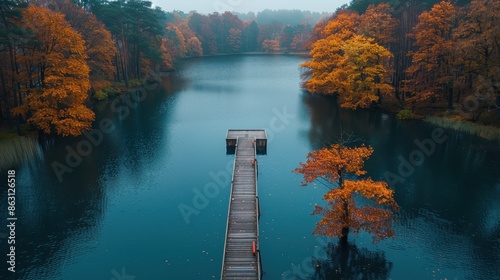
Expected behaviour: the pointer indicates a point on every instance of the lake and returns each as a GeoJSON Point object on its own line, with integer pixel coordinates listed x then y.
{"type": "Point", "coordinates": [112, 211]}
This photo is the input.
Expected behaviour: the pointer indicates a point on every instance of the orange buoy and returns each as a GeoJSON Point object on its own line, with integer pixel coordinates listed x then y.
{"type": "Point", "coordinates": [253, 162]}
{"type": "Point", "coordinates": [253, 248]}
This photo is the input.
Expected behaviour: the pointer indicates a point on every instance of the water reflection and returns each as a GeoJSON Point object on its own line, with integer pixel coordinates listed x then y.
{"type": "Point", "coordinates": [328, 122]}
{"type": "Point", "coordinates": [61, 218]}
{"type": "Point", "coordinates": [214, 88]}
{"type": "Point", "coordinates": [118, 208]}
{"type": "Point", "coordinates": [351, 262]}
{"type": "Point", "coordinates": [448, 204]}
{"type": "Point", "coordinates": [15, 151]}
{"type": "Point", "coordinates": [45, 235]}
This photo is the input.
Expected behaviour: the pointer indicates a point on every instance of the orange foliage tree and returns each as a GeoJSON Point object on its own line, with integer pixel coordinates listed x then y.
{"type": "Point", "coordinates": [167, 61]}
{"type": "Point", "coordinates": [234, 40]}
{"type": "Point", "coordinates": [477, 36]}
{"type": "Point", "coordinates": [378, 23]}
{"type": "Point", "coordinates": [348, 62]}
{"type": "Point", "coordinates": [327, 52]}
{"type": "Point", "coordinates": [99, 45]}
{"type": "Point", "coordinates": [175, 41]}
{"type": "Point", "coordinates": [194, 47]}
{"type": "Point", "coordinates": [271, 46]}
{"type": "Point", "coordinates": [434, 61]}
{"type": "Point", "coordinates": [57, 64]}
{"type": "Point", "coordinates": [342, 166]}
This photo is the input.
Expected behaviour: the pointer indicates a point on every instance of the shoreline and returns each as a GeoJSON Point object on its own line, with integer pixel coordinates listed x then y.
{"type": "Point", "coordinates": [435, 116]}
{"type": "Point", "coordinates": [305, 54]}
{"type": "Point", "coordinates": [491, 133]}
{"type": "Point", "coordinates": [432, 115]}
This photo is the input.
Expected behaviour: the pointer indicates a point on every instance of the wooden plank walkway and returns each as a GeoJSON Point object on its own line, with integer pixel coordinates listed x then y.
{"type": "Point", "coordinates": [240, 261]}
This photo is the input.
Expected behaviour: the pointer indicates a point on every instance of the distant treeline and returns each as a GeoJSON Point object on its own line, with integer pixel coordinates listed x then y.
{"type": "Point", "coordinates": [270, 31]}
{"type": "Point", "coordinates": [286, 17]}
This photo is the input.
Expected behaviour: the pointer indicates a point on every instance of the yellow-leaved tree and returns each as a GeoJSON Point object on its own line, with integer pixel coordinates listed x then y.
{"type": "Point", "coordinates": [361, 73]}
{"type": "Point", "coordinates": [99, 45]}
{"type": "Point", "coordinates": [348, 63]}
{"type": "Point", "coordinates": [194, 47]}
{"type": "Point", "coordinates": [55, 75]}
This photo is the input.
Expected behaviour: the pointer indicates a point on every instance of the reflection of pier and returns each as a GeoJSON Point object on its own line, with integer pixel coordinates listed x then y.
{"type": "Point", "coordinates": [241, 258]}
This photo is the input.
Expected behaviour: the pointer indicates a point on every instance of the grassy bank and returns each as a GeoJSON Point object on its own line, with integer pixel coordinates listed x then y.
{"type": "Point", "coordinates": [11, 134]}
{"type": "Point", "coordinates": [487, 126]}
{"type": "Point", "coordinates": [305, 54]}
{"type": "Point", "coordinates": [115, 89]}
{"type": "Point", "coordinates": [14, 148]}
{"type": "Point", "coordinates": [484, 131]}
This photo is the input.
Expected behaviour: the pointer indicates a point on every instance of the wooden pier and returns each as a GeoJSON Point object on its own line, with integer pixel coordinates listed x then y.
{"type": "Point", "coordinates": [241, 258]}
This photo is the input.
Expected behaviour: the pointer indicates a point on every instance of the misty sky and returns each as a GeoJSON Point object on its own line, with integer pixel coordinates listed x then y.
{"type": "Point", "coordinates": [243, 6]}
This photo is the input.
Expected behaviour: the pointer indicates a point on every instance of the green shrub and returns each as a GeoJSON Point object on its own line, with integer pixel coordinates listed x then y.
{"type": "Point", "coordinates": [105, 93]}
{"type": "Point", "coordinates": [110, 91]}
{"type": "Point", "coordinates": [405, 114]}
{"type": "Point", "coordinates": [101, 95]}
{"type": "Point", "coordinates": [134, 83]}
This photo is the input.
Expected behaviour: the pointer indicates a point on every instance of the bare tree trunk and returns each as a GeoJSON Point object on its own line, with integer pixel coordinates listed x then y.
{"type": "Point", "coordinates": [345, 236]}
{"type": "Point", "coordinates": [496, 90]}
{"type": "Point", "coordinates": [117, 66]}
{"type": "Point", "coordinates": [344, 260]}
{"type": "Point", "coordinates": [15, 90]}
{"type": "Point", "coordinates": [124, 56]}
{"type": "Point", "coordinates": [5, 99]}
{"type": "Point", "coordinates": [138, 63]}
{"type": "Point", "coordinates": [407, 20]}
{"type": "Point", "coordinates": [498, 106]}
{"type": "Point", "coordinates": [450, 96]}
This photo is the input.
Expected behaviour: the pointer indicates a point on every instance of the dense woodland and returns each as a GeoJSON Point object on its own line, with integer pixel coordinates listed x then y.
{"type": "Point", "coordinates": [59, 55]}
{"type": "Point", "coordinates": [422, 55]}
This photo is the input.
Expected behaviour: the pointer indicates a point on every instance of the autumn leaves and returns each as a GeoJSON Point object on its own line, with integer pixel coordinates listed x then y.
{"type": "Point", "coordinates": [454, 53]}
{"type": "Point", "coordinates": [60, 56]}
{"type": "Point", "coordinates": [446, 55]}
{"type": "Point", "coordinates": [458, 52]}
{"type": "Point", "coordinates": [350, 59]}
{"type": "Point", "coordinates": [57, 61]}
{"type": "Point", "coordinates": [340, 167]}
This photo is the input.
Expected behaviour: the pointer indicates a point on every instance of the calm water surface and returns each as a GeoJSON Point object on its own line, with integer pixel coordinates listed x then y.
{"type": "Point", "coordinates": [116, 215]}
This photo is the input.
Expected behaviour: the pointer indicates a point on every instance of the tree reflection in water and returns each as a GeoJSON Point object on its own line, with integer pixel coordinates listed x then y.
{"type": "Point", "coordinates": [350, 262]}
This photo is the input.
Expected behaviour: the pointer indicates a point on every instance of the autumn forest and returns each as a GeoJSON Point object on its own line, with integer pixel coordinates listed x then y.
{"type": "Point", "coordinates": [386, 112]}
{"type": "Point", "coordinates": [59, 56]}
